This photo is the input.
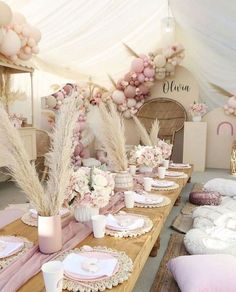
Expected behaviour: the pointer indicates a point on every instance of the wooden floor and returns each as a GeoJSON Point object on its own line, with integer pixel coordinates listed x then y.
{"type": "Point", "coordinates": [138, 249]}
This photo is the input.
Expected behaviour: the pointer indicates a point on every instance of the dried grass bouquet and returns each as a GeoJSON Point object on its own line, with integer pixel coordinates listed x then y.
{"type": "Point", "coordinates": [49, 199]}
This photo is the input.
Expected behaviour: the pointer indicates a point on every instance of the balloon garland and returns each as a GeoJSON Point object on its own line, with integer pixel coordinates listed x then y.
{"type": "Point", "coordinates": [129, 94]}
{"type": "Point", "coordinates": [132, 90]}
{"type": "Point", "coordinates": [18, 39]}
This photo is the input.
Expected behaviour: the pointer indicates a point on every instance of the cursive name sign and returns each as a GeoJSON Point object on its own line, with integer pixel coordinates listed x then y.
{"type": "Point", "coordinates": [171, 86]}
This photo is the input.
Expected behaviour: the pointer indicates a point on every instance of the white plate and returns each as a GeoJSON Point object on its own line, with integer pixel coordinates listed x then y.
{"type": "Point", "coordinates": [162, 183]}
{"type": "Point", "coordinates": [174, 173]}
{"type": "Point", "coordinates": [179, 165]}
{"type": "Point", "coordinates": [148, 199]}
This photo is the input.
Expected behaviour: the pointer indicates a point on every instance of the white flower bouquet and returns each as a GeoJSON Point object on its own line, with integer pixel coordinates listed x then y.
{"type": "Point", "coordinates": [198, 109]}
{"type": "Point", "coordinates": [166, 148]}
{"type": "Point", "coordinates": [150, 156]}
{"type": "Point", "coordinates": [91, 187]}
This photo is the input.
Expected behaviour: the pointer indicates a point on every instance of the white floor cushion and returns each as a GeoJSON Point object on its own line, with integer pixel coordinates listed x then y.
{"type": "Point", "coordinates": [197, 241]}
{"type": "Point", "coordinates": [226, 187]}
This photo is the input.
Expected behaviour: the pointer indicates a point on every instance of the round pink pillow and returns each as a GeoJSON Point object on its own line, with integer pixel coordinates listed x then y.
{"type": "Point", "coordinates": [205, 198]}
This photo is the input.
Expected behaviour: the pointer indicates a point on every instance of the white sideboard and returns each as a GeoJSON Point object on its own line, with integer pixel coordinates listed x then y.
{"type": "Point", "coordinates": [195, 137]}
{"type": "Point", "coordinates": [28, 136]}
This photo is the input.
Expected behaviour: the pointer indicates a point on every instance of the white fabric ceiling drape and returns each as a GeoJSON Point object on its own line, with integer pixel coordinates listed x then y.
{"type": "Point", "coordinates": [82, 38]}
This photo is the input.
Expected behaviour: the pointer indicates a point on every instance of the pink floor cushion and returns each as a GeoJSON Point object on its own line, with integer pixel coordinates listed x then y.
{"type": "Point", "coordinates": [204, 273]}
{"type": "Point", "coordinates": [205, 198]}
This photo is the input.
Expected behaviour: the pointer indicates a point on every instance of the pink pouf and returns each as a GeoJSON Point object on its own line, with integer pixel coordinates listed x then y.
{"type": "Point", "coordinates": [205, 198]}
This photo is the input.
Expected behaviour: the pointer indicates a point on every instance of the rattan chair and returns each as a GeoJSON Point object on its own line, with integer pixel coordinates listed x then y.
{"type": "Point", "coordinates": [170, 113]}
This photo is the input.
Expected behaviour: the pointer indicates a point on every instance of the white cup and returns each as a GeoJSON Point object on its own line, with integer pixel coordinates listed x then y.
{"type": "Point", "coordinates": [129, 199]}
{"type": "Point", "coordinates": [166, 163]}
{"type": "Point", "coordinates": [161, 172]}
{"type": "Point", "coordinates": [53, 276]}
{"type": "Point", "coordinates": [132, 169]}
{"type": "Point", "coordinates": [147, 183]}
{"type": "Point", "coordinates": [99, 224]}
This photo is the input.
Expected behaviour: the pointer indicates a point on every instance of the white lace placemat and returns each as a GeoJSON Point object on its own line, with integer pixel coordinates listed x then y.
{"type": "Point", "coordinates": [166, 201]}
{"type": "Point", "coordinates": [147, 226]}
{"type": "Point", "coordinates": [125, 267]}
{"type": "Point", "coordinates": [164, 189]}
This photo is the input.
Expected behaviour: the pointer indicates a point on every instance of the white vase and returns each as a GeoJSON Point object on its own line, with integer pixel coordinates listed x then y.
{"type": "Point", "coordinates": [196, 118]}
{"type": "Point", "coordinates": [124, 180]}
{"type": "Point", "coordinates": [145, 169]}
{"type": "Point", "coordinates": [84, 213]}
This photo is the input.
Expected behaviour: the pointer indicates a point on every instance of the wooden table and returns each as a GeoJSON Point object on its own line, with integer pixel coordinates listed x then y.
{"type": "Point", "coordinates": [138, 249]}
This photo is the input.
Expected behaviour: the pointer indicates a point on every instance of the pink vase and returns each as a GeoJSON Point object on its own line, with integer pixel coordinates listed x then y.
{"type": "Point", "coordinates": [49, 234]}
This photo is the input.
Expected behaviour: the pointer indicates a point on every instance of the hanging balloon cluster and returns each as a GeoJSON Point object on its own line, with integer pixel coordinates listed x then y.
{"type": "Point", "coordinates": [88, 94]}
{"type": "Point", "coordinates": [18, 39]}
{"type": "Point", "coordinates": [132, 90]}
{"type": "Point", "coordinates": [230, 106]}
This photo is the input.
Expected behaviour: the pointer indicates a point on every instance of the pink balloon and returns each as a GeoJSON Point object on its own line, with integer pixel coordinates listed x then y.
{"type": "Point", "coordinates": [24, 56]}
{"type": "Point", "coordinates": [11, 44]}
{"type": "Point", "coordinates": [119, 85]}
{"type": "Point", "coordinates": [77, 128]}
{"type": "Point", "coordinates": [27, 50]}
{"type": "Point", "coordinates": [128, 77]}
{"type": "Point", "coordinates": [130, 91]}
{"type": "Point", "coordinates": [26, 30]}
{"type": "Point", "coordinates": [149, 72]}
{"type": "Point", "coordinates": [137, 65]}
{"type": "Point", "coordinates": [85, 153]}
{"type": "Point", "coordinates": [143, 89]}
{"type": "Point", "coordinates": [35, 33]}
{"type": "Point", "coordinates": [82, 125]}
{"type": "Point", "coordinates": [17, 28]}
{"type": "Point", "coordinates": [31, 42]}
{"type": "Point", "coordinates": [59, 95]}
{"type": "Point", "coordinates": [68, 89]}
{"type": "Point", "coordinates": [78, 149]}
{"type": "Point", "coordinates": [35, 50]}
{"type": "Point", "coordinates": [141, 77]}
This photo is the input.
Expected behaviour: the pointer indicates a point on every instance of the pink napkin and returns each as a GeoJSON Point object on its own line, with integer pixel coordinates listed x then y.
{"type": "Point", "coordinates": [9, 215]}
{"type": "Point", "coordinates": [19, 272]}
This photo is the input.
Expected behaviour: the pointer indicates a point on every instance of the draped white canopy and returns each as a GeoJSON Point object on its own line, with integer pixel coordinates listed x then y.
{"type": "Point", "coordinates": [82, 38]}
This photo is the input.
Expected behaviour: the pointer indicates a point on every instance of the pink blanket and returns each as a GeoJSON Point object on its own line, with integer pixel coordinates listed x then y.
{"type": "Point", "coordinates": [20, 271]}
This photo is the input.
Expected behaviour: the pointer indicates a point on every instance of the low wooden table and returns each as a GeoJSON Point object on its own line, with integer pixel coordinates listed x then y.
{"type": "Point", "coordinates": [138, 249]}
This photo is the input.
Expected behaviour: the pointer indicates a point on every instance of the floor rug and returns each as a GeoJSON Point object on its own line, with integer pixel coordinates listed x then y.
{"type": "Point", "coordinates": [182, 223]}
{"type": "Point", "coordinates": [164, 281]}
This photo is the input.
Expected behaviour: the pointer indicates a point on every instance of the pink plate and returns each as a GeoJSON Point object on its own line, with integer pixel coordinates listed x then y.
{"type": "Point", "coordinates": [12, 239]}
{"type": "Point", "coordinates": [97, 255]}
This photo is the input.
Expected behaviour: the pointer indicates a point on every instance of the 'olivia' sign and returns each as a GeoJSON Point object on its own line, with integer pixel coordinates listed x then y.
{"type": "Point", "coordinates": [172, 86]}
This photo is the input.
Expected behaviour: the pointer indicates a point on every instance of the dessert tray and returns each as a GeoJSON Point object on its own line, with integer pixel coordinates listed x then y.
{"type": "Point", "coordinates": [150, 200]}
{"type": "Point", "coordinates": [94, 268]}
{"type": "Point", "coordinates": [12, 247]}
{"type": "Point", "coordinates": [31, 217]}
{"type": "Point", "coordinates": [127, 225]}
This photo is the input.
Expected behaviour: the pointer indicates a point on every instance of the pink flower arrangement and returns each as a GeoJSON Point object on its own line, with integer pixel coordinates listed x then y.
{"type": "Point", "coordinates": [198, 109]}
{"type": "Point", "coordinates": [146, 155]}
{"type": "Point", "coordinates": [16, 120]}
{"type": "Point", "coordinates": [166, 148]}
{"type": "Point", "coordinates": [90, 186]}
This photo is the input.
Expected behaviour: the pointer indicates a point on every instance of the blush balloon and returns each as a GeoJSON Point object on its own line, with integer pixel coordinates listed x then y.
{"type": "Point", "coordinates": [130, 91]}
{"type": "Point", "coordinates": [141, 77]}
{"type": "Point", "coordinates": [137, 65]}
{"type": "Point", "coordinates": [5, 14]}
{"type": "Point", "coordinates": [143, 89]}
{"type": "Point", "coordinates": [35, 34]}
{"type": "Point", "coordinates": [18, 18]}
{"type": "Point", "coordinates": [149, 72]}
{"type": "Point", "coordinates": [118, 96]}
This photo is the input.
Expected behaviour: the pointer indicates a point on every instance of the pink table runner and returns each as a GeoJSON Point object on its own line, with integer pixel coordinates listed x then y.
{"type": "Point", "coordinates": [20, 271]}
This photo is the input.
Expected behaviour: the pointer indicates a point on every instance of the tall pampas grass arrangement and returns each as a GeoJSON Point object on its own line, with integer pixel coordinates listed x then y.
{"type": "Point", "coordinates": [49, 199]}
{"type": "Point", "coordinates": [111, 133]}
{"type": "Point", "coordinates": [147, 140]}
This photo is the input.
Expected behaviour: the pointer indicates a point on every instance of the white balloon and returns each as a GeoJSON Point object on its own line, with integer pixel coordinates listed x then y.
{"type": "Point", "coordinates": [51, 101]}
{"type": "Point", "coordinates": [18, 18]}
{"type": "Point", "coordinates": [35, 33]}
{"type": "Point", "coordinates": [232, 102]}
{"type": "Point", "coordinates": [5, 14]}
{"type": "Point", "coordinates": [11, 44]}
{"type": "Point", "coordinates": [160, 61]}
{"type": "Point", "coordinates": [26, 30]}
{"type": "Point", "coordinates": [131, 102]}
{"type": "Point", "coordinates": [118, 96]}
{"type": "Point", "coordinates": [127, 114]}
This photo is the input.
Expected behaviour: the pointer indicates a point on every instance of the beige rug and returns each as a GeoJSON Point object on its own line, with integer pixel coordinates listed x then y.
{"type": "Point", "coordinates": [182, 223]}
{"type": "Point", "coordinates": [164, 281]}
